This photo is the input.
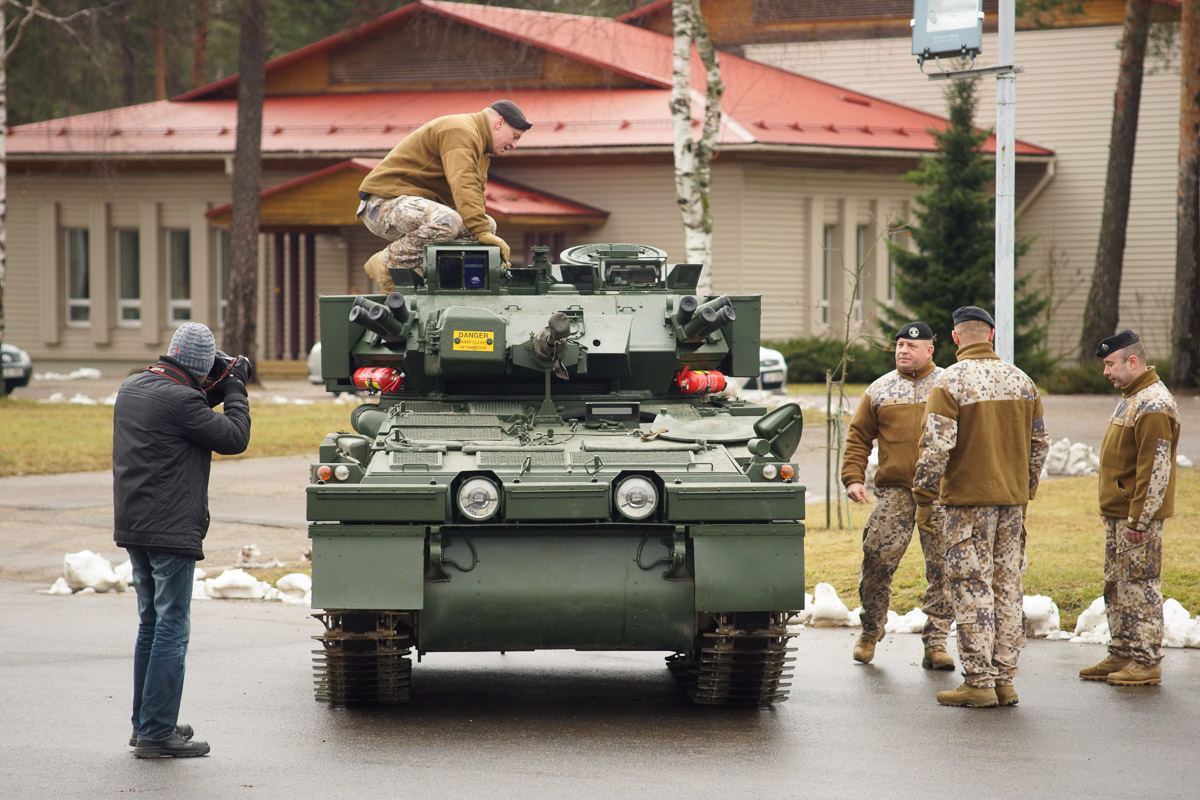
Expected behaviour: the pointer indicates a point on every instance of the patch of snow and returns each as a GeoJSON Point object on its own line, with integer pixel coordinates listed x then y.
{"type": "Point", "coordinates": [60, 587]}
{"type": "Point", "coordinates": [828, 610]}
{"type": "Point", "coordinates": [1041, 615]}
{"type": "Point", "coordinates": [912, 622]}
{"type": "Point", "coordinates": [83, 373]}
{"type": "Point", "coordinates": [87, 570]}
{"type": "Point", "coordinates": [237, 584]}
{"type": "Point", "coordinates": [1183, 460]}
{"type": "Point", "coordinates": [1066, 458]}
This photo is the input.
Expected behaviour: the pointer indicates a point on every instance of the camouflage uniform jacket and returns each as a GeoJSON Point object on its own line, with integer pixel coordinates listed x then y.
{"type": "Point", "coordinates": [985, 439]}
{"type": "Point", "coordinates": [445, 160]}
{"type": "Point", "coordinates": [1137, 457]}
{"type": "Point", "coordinates": [890, 411]}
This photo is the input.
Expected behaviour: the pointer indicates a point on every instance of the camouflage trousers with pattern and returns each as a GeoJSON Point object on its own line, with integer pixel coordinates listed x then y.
{"type": "Point", "coordinates": [985, 557]}
{"type": "Point", "coordinates": [885, 539]}
{"type": "Point", "coordinates": [410, 223]}
{"type": "Point", "coordinates": [1133, 592]}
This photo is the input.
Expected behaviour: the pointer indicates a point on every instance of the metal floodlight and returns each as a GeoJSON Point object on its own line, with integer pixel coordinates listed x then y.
{"type": "Point", "coordinates": [947, 28]}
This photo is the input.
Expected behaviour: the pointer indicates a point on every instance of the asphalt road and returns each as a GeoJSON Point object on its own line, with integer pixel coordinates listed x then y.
{"type": "Point", "coordinates": [549, 725]}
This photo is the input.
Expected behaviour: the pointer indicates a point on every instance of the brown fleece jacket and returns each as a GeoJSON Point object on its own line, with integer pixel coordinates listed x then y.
{"type": "Point", "coordinates": [891, 412]}
{"type": "Point", "coordinates": [445, 160]}
{"type": "Point", "coordinates": [985, 439]}
{"type": "Point", "coordinates": [1137, 457]}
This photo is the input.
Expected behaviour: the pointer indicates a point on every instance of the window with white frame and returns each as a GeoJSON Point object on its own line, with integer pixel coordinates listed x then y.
{"type": "Point", "coordinates": [860, 252]}
{"type": "Point", "coordinates": [128, 242]}
{"type": "Point", "coordinates": [223, 263]}
{"type": "Point", "coordinates": [179, 274]}
{"type": "Point", "coordinates": [897, 238]}
{"type": "Point", "coordinates": [79, 302]}
{"type": "Point", "coordinates": [827, 271]}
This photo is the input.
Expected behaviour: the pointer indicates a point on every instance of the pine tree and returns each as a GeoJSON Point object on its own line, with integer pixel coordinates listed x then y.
{"type": "Point", "coordinates": [954, 233]}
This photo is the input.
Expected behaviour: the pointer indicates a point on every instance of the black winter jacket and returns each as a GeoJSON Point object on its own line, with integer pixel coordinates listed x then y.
{"type": "Point", "coordinates": [164, 435]}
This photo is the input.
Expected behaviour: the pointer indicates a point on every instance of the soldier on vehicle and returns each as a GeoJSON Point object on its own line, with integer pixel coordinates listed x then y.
{"type": "Point", "coordinates": [891, 412]}
{"type": "Point", "coordinates": [1137, 492]}
{"type": "Point", "coordinates": [981, 454]}
{"type": "Point", "coordinates": [430, 187]}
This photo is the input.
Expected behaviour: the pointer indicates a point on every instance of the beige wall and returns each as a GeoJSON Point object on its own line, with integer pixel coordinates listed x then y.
{"type": "Point", "coordinates": [1064, 102]}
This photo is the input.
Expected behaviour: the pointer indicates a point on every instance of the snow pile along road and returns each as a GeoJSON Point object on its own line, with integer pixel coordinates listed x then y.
{"type": "Point", "coordinates": [86, 572]}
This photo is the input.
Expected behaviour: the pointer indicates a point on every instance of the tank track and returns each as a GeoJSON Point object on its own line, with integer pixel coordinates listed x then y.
{"type": "Point", "coordinates": [364, 658]}
{"type": "Point", "coordinates": [742, 660]}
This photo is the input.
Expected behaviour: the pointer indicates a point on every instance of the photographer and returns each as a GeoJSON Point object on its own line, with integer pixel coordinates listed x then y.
{"type": "Point", "coordinates": [164, 435]}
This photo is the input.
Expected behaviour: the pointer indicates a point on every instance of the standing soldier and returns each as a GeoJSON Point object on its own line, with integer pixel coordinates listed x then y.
{"type": "Point", "coordinates": [1137, 492]}
{"type": "Point", "coordinates": [890, 411]}
{"type": "Point", "coordinates": [981, 454]}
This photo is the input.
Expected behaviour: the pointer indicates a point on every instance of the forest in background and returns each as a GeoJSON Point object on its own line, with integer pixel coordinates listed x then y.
{"type": "Point", "coordinates": [136, 51]}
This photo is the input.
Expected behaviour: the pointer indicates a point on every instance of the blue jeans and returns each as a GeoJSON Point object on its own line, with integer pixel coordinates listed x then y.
{"type": "Point", "coordinates": [164, 591]}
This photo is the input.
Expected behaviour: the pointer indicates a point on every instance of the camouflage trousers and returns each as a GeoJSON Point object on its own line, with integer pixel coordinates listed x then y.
{"type": "Point", "coordinates": [410, 223]}
{"type": "Point", "coordinates": [887, 534]}
{"type": "Point", "coordinates": [1133, 592]}
{"type": "Point", "coordinates": [985, 556]}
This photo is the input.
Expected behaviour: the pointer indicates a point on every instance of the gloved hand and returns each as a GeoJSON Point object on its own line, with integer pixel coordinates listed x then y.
{"type": "Point", "coordinates": [493, 239]}
{"type": "Point", "coordinates": [924, 517]}
{"type": "Point", "coordinates": [242, 370]}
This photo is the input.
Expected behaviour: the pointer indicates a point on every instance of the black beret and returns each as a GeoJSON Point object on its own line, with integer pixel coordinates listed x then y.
{"type": "Point", "coordinates": [511, 114]}
{"type": "Point", "coordinates": [914, 330]}
{"type": "Point", "coordinates": [1118, 341]}
{"type": "Point", "coordinates": [973, 312]}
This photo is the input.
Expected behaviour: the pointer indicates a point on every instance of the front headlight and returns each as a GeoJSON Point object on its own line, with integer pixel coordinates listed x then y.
{"type": "Point", "coordinates": [478, 499]}
{"type": "Point", "coordinates": [636, 497]}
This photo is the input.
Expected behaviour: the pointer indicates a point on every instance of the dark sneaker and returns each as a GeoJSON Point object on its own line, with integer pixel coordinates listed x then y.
{"type": "Point", "coordinates": [174, 746]}
{"type": "Point", "coordinates": [185, 732]}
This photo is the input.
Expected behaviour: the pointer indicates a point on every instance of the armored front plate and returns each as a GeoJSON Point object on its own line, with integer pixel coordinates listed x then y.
{"type": "Point", "coordinates": [583, 592]}
{"type": "Point", "coordinates": [735, 502]}
{"type": "Point", "coordinates": [366, 571]}
{"type": "Point", "coordinates": [377, 503]}
{"type": "Point", "coordinates": [745, 570]}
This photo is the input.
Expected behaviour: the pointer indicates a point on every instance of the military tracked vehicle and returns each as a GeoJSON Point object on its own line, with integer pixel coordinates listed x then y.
{"type": "Point", "coordinates": [551, 465]}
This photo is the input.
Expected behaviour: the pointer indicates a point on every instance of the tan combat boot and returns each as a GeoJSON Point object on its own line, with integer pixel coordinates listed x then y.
{"type": "Point", "coordinates": [936, 657]}
{"type": "Point", "coordinates": [864, 649]}
{"type": "Point", "coordinates": [1137, 675]}
{"type": "Point", "coordinates": [1101, 671]}
{"type": "Point", "coordinates": [1006, 695]}
{"type": "Point", "coordinates": [969, 696]}
{"type": "Point", "coordinates": [377, 271]}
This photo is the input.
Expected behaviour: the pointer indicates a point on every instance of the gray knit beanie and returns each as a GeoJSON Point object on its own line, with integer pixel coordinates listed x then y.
{"type": "Point", "coordinates": [194, 347]}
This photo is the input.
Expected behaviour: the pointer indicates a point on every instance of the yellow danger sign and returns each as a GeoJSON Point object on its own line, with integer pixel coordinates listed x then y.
{"type": "Point", "coordinates": [477, 341]}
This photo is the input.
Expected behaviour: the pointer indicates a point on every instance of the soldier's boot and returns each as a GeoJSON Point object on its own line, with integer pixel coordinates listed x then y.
{"type": "Point", "coordinates": [1006, 695]}
{"type": "Point", "coordinates": [1101, 671]}
{"type": "Point", "coordinates": [936, 657]}
{"type": "Point", "coordinates": [968, 696]}
{"type": "Point", "coordinates": [1137, 675]}
{"type": "Point", "coordinates": [378, 271]}
{"type": "Point", "coordinates": [864, 648]}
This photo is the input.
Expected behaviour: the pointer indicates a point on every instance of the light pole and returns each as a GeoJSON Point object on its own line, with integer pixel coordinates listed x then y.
{"type": "Point", "coordinates": [954, 28]}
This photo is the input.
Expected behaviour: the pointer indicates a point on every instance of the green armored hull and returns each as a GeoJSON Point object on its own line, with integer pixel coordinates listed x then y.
{"type": "Point", "coordinates": [550, 466]}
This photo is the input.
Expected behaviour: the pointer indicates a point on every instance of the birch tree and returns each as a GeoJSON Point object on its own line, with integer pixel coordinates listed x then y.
{"type": "Point", "coordinates": [693, 157]}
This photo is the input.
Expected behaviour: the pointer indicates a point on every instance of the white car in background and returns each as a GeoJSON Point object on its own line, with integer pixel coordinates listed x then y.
{"type": "Point", "coordinates": [772, 375]}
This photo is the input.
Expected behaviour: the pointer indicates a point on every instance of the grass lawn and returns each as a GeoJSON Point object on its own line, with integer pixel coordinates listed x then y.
{"type": "Point", "coordinates": [51, 438]}
{"type": "Point", "coordinates": [1065, 545]}
{"type": "Point", "coordinates": [1065, 549]}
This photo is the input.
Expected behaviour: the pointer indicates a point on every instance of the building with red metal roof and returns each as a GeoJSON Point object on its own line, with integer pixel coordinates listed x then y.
{"type": "Point", "coordinates": [117, 218]}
